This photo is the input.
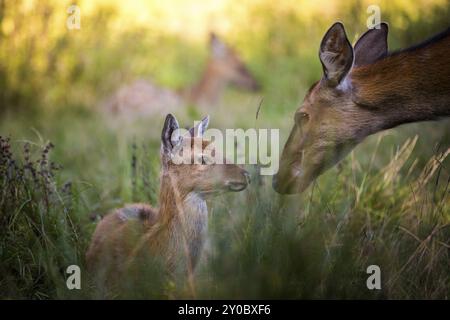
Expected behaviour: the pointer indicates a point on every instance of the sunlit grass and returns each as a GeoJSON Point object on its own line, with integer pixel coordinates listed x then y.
{"type": "Point", "coordinates": [386, 203]}
{"type": "Point", "coordinates": [382, 207]}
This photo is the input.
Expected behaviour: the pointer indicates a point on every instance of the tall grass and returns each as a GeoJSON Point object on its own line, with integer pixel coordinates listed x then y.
{"type": "Point", "coordinates": [387, 203]}
{"type": "Point", "coordinates": [261, 245]}
{"type": "Point", "coordinates": [40, 235]}
{"type": "Point", "coordinates": [320, 245]}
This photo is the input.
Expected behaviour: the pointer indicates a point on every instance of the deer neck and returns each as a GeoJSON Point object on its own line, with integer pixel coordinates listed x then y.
{"type": "Point", "coordinates": [209, 88]}
{"type": "Point", "coordinates": [407, 86]}
{"type": "Point", "coordinates": [183, 218]}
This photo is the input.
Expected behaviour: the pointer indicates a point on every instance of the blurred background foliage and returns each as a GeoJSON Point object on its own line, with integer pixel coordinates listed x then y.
{"type": "Point", "coordinates": [52, 81]}
{"type": "Point", "coordinates": [45, 65]}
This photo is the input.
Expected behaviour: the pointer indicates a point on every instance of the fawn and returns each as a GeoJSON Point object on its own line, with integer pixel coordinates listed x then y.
{"type": "Point", "coordinates": [223, 67]}
{"type": "Point", "coordinates": [177, 230]}
{"type": "Point", "coordinates": [363, 90]}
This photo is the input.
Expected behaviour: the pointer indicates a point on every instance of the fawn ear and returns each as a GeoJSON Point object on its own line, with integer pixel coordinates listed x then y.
{"type": "Point", "coordinates": [336, 54]}
{"type": "Point", "coordinates": [199, 129]}
{"type": "Point", "coordinates": [170, 134]}
{"type": "Point", "coordinates": [372, 45]}
{"type": "Point", "coordinates": [217, 47]}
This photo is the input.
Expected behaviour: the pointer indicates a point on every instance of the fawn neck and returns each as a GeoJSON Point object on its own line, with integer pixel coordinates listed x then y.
{"type": "Point", "coordinates": [183, 217]}
{"type": "Point", "coordinates": [406, 86]}
{"type": "Point", "coordinates": [209, 88]}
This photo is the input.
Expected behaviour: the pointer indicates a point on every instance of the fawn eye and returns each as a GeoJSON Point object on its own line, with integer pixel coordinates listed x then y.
{"type": "Point", "coordinates": [205, 159]}
{"type": "Point", "coordinates": [301, 117]}
{"type": "Point", "coordinates": [197, 159]}
{"type": "Point", "coordinates": [201, 159]}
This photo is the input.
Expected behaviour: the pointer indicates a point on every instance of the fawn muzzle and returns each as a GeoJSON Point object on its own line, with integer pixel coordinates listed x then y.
{"type": "Point", "coordinates": [239, 185]}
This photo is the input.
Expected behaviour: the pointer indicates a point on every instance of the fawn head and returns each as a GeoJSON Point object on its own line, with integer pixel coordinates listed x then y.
{"type": "Point", "coordinates": [330, 123]}
{"type": "Point", "coordinates": [229, 66]}
{"type": "Point", "coordinates": [186, 157]}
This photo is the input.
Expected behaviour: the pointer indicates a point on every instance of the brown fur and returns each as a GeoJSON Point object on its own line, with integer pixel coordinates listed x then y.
{"type": "Point", "coordinates": [217, 74]}
{"type": "Point", "coordinates": [144, 98]}
{"type": "Point", "coordinates": [176, 231]}
{"type": "Point", "coordinates": [407, 86]}
{"type": "Point", "coordinates": [384, 92]}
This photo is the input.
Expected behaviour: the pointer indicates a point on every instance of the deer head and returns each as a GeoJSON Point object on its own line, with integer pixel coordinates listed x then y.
{"type": "Point", "coordinates": [226, 63]}
{"type": "Point", "coordinates": [330, 122]}
{"type": "Point", "coordinates": [196, 171]}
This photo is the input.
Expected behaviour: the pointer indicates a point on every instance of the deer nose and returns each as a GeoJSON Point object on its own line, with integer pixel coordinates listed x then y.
{"type": "Point", "coordinates": [283, 187]}
{"type": "Point", "coordinates": [256, 86]}
{"type": "Point", "coordinates": [275, 182]}
{"type": "Point", "coordinates": [277, 186]}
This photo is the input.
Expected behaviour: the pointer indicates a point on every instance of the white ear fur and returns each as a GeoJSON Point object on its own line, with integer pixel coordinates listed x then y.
{"type": "Point", "coordinates": [203, 126]}
{"type": "Point", "coordinates": [200, 127]}
{"type": "Point", "coordinates": [336, 54]}
{"type": "Point", "coordinates": [177, 137]}
{"type": "Point", "coordinates": [170, 135]}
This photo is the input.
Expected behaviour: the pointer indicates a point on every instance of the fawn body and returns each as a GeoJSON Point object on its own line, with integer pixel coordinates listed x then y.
{"type": "Point", "coordinates": [364, 90]}
{"type": "Point", "coordinates": [224, 66]}
{"type": "Point", "coordinates": [176, 231]}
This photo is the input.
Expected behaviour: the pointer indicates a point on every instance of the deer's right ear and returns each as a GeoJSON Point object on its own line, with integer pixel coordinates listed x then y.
{"type": "Point", "coordinates": [199, 129]}
{"type": "Point", "coordinates": [217, 47]}
{"type": "Point", "coordinates": [169, 132]}
{"type": "Point", "coordinates": [372, 45]}
{"type": "Point", "coordinates": [336, 54]}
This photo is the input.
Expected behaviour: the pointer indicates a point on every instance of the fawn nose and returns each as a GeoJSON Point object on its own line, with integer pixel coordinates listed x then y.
{"type": "Point", "coordinates": [240, 184]}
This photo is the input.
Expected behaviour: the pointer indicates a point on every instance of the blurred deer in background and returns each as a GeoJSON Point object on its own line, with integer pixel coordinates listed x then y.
{"type": "Point", "coordinates": [363, 90]}
{"type": "Point", "coordinates": [223, 67]}
{"type": "Point", "coordinates": [177, 230]}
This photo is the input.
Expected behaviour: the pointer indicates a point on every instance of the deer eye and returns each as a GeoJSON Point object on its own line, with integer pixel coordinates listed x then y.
{"type": "Point", "coordinates": [202, 159]}
{"type": "Point", "coordinates": [198, 159]}
{"type": "Point", "coordinates": [206, 160]}
{"type": "Point", "coordinates": [301, 117]}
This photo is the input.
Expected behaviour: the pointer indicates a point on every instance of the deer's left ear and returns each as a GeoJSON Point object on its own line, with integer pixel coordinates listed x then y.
{"type": "Point", "coordinates": [217, 47]}
{"type": "Point", "coordinates": [372, 45]}
{"type": "Point", "coordinates": [199, 129]}
{"type": "Point", "coordinates": [336, 54]}
{"type": "Point", "coordinates": [169, 136]}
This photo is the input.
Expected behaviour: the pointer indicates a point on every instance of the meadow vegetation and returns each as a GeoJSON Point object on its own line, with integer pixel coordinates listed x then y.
{"type": "Point", "coordinates": [63, 164]}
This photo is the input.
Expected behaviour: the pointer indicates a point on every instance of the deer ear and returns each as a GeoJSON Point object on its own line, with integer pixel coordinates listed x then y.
{"type": "Point", "coordinates": [372, 45]}
{"type": "Point", "coordinates": [217, 47]}
{"type": "Point", "coordinates": [199, 129]}
{"type": "Point", "coordinates": [336, 54]}
{"type": "Point", "coordinates": [169, 135]}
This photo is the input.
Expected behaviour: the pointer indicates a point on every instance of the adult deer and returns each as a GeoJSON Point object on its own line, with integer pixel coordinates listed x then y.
{"type": "Point", "coordinates": [143, 98]}
{"type": "Point", "coordinates": [176, 231]}
{"type": "Point", "coordinates": [363, 90]}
